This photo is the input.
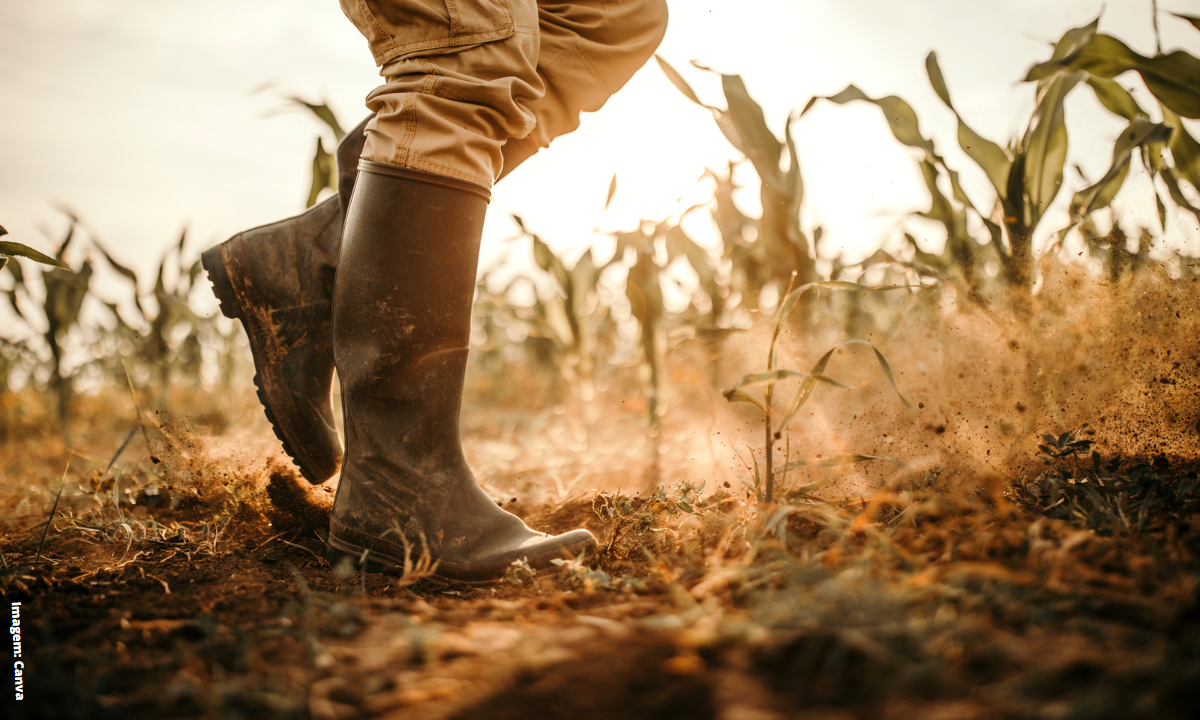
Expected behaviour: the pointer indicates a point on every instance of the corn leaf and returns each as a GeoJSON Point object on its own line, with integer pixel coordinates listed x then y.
{"type": "Point", "coordinates": [794, 182]}
{"type": "Point", "coordinates": [758, 142]}
{"type": "Point", "coordinates": [804, 490]}
{"type": "Point", "coordinates": [1173, 78]}
{"type": "Point", "coordinates": [1172, 183]}
{"type": "Point", "coordinates": [805, 390]}
{"type": "Point", "coordinates": [678, 81]}
{"type": "Point", "coordinates": [736, 395]}
{"type": "Point", "coordinates": [1045, 145]}
{"type": "Point", "coordinates": [324, 114]}
{"type": "Point", "coordinates": [1194, 20]}
{"type": "Point", "coordinates": [901, 118]}
{"type": "Point", "coordinates": [989, 156]}
{"type": "Point", "coordinates": [833, 461]}
{"type": "Point", "coordinates": [771, 376]}
{"type": "Point", "coordinates": [1116, 98]}
{"type": "Point", "coordinates": [16, 249]}
{"type": "Point", "coordinates": [323, 173]}
{"type": "Point", "coordinates": [1140, 131]}
{"type": "Point", "coordinates": [883, 365]}
{"type": "Point", "coordinates": [940, 210]}
{"type": "Point", "coordinates": [1185, 150]}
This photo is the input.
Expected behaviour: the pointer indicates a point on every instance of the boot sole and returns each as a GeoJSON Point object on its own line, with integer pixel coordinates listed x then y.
{"type": "Point", "coordinates": [271, 390]}
{"type": "Point", "coordinates": [355, 553]}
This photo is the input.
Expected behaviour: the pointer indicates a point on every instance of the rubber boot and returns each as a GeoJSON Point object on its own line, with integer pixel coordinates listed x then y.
{"type": "Point", "coordinates": [278, 280]}
{"type": "Point", "coordinates": [401, 326]}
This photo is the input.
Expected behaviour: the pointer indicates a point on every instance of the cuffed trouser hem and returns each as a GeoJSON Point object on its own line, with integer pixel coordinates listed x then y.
{"type": "Point", "coordinates": [425, 177]}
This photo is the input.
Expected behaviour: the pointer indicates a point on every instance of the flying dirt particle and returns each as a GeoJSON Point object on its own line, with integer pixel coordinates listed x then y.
{"type": "Point", "coordinates": [1020, 407]}
{"type": "Point", "coordinates": [940, 429]}
{"type": "Point", "coordinates": [154, 460]}
{"type": "Point", "coordinates": [726, 483]}
{"type": "Point", "coordinates": [921, 405]}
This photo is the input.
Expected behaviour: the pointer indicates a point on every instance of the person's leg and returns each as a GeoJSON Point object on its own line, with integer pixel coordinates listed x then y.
{"type": "Point", "coordinates": [402, 325]}
{"type": "Point", "coordinates": [589, 50]}
{"type": "Point", "coordinates": [404, 287]}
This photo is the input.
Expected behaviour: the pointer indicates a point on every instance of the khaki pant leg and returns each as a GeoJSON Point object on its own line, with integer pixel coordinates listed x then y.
{"type": "Point", "coordinates": [476, 87]}
{"type": "Point", "coordinates": [460, 77]}
{"type": "Point", "coordinates": [589, 50]}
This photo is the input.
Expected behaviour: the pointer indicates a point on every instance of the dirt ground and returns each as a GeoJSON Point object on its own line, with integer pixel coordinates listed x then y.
{"type": "Point", "coordinates": [188, 579]}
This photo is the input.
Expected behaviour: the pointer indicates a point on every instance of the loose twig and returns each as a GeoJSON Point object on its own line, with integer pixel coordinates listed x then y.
{"type": "Point", "coordinates": [53, 509]}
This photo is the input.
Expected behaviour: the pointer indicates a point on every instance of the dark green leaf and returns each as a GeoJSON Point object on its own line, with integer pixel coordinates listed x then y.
{"type": "Point", "coordinates": [324, 114]}
{"type": "Point", "coordinates": [1185, 151]}
{"type": "Point", "coordinates": [1114, 97]}
{"type": "Point", "coordinates": [1100, 195]}
{"type": "Point", "coordinates": [16, 249]}
{"type": "Point", "coordinates": [1173, 78]}
{"type": "Point", "coordinates": [989, 156]}
{"type": "Point", "coordinates": [1194, 20]}
{"type": "Point", "coordinates": [940, 210]}
{"type": "Point", "coordinates": [1045, 145]}
{"type": "Point", "coordinates": [323, 173]}
{"type": "Point", "coordinates": [1075, 39]}
{"type": "Point", "coordinates": [1172, 183]}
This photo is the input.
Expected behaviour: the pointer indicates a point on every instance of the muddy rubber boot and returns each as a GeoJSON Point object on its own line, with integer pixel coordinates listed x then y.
{"type": "Point", "coordinates": [401, 327]}
{"type": "Point", "coordinates": [278, 280]}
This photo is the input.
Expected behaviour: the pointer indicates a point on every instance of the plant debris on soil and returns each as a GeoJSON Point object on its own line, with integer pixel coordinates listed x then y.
{"type": "Point", "coordinates": [192, 583]}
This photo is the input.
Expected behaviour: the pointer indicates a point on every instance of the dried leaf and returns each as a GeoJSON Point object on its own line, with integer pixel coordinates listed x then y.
{"type": "Point", "coordinates": [678, 81]}
{"type": "Point", "coordinates": [833, 461]}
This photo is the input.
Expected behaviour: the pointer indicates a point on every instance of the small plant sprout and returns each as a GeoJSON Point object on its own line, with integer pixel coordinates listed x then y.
{"type": "Point", "coordinates": [773, 374]}
{"type": "Point", "coordinates": [519, 572]}
{"type": "Point", "coordinates": [1067, 445]}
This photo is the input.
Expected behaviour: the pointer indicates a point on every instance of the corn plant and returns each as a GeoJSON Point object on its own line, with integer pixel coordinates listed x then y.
{"type": "Point", "coordinates": [772, 430]}
{"type": "Point", "coordinates": [174, 333]}
{"type": "Point", "coordinates": [1027, 174]}
{"type": "Point", "coordinates": [13, 354]}
{"type": "Point", "coordinates": [64, 292]}
{"type": "Point", "coordinates": [782, 248]}
{"type": "Point", "coordinates": [324, 164]}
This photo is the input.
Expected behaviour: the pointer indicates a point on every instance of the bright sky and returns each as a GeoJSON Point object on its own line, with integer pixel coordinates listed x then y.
{"type": "Point", "coordinates": [145, 116]}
